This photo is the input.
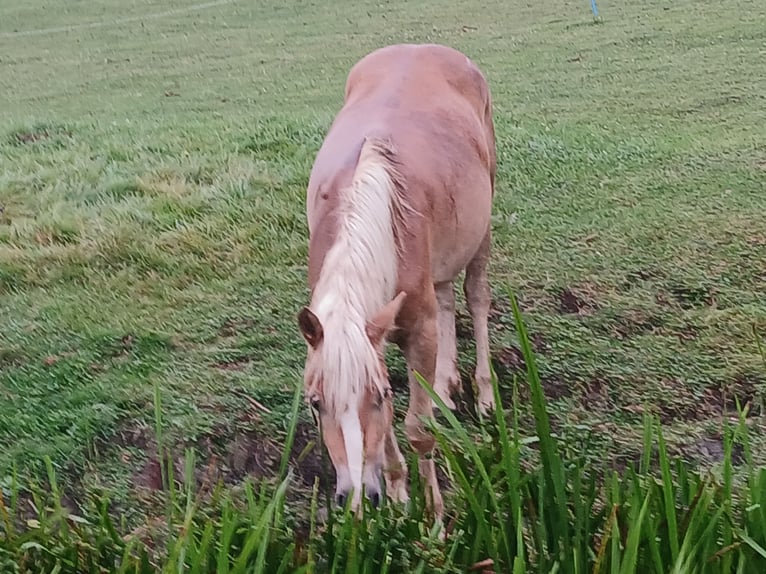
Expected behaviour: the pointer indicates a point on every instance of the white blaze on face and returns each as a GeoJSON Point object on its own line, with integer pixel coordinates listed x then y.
{"type": "Point", "coordinates": [354, 442]}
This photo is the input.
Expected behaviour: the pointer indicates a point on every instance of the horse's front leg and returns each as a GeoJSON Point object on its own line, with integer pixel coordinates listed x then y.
{"type": "Point", "coordinates": [420, 350]}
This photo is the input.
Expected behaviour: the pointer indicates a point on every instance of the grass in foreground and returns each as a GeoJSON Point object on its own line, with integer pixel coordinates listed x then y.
{"type": "Point", "coordinates": [510, 512]}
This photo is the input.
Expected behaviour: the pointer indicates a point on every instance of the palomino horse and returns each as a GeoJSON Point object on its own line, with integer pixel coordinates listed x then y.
{"type": "Point", "coordinates": [399, 203]}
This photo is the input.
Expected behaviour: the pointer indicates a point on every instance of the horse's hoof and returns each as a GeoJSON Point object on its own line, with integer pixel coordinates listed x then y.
{"type": "Point", "coordinates": [486, 404]}
{"type": "Point", "coordinates": [447, 400]}
{"type": "Point", "coordinates": [396, 490]}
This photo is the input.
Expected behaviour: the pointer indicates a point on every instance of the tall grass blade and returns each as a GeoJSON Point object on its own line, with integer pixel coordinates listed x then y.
{"type": "Point", "coordinates": [630, 557]}
{"type": "Point", "coordinates": [158, 433]}
{"type": "Point", "coordinates": [552, 466]}
{"type": "Point", "coordinates": [668, 494]}
{"type": "Point", "coordinates": [464, 440]}
{"type": "Point", "coordinates": [646, 453]}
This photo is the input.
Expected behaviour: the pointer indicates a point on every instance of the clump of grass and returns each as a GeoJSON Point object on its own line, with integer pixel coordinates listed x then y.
{"type": "Point", "coordinates": [559, 517]}
{"type": "Point", "coordinates": [519, 504]}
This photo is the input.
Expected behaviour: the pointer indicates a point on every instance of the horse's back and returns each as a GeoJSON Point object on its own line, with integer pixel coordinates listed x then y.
{"type": "Point", "coordinates": [433, 104]}
{"type": "Point", "coordinates": [417, 76]}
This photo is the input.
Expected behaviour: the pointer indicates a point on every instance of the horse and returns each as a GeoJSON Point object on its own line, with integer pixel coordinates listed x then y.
{"type": "Point", "coordinates": [398, 204]}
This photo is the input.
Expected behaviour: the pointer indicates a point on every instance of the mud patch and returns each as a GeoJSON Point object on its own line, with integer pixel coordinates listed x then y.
{"type": "Point", "coordinates": [555, 388]}
{"type": "Point", "coordinates": [509, 361]}
{"type": "Point", "coordinates": [679, 403]}
{"type": "Point", "coordinates": [510, 358]}
{"type": "Point", "coordinates": [676, 402]}
{"type": "Point", "coordinates": [744, 389]}
{"type": "Point", "coordinates": [256, 453]}
{"type": "Point", "coordinates": [711, 449]}
{"type": "Point", "coordinates": [135, 435]}
{"type": "Point", "coordinates": [228, 453]}
{"type": "Point", "coordinates": [137, 446]}
{"type": "Point", "coordinates": [575, 301]}
{"type": "Point", "coordinates": [595, 395]}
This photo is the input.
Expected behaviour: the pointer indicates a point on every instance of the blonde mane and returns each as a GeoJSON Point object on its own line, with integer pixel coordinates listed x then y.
{"type": "Point", "coordinates": [358, 277]}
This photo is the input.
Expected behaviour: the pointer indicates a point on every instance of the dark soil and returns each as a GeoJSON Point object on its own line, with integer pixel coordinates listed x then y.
{"type": "Point", "coordinates": [570, 302]}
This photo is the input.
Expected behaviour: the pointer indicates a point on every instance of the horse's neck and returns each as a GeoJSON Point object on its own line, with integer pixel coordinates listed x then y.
{"type": "Point", "coordinates": [360, 270]}
{"type": "Point", "coordinates": [351, 288]}
{"type": "Point", "coordinates": [353, 282]}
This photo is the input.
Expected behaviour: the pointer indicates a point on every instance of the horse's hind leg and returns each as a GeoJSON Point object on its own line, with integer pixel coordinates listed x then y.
{"type": "Point", "coordinates": [447, 376]}
{"type": "Point", "coordinates": [478, 297]}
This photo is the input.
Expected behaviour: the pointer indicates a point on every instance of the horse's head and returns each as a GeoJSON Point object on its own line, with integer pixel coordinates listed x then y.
{"type": "Point", "coordinates": [346, 385]}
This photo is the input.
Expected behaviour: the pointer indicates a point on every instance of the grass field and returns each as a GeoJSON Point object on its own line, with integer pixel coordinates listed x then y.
{"type": "Point", "coordinates": [154, 157]}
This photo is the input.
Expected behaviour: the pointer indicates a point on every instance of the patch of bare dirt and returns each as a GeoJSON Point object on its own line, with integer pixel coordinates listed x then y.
{"type": "Point", "coordinates": [556, 388]}
{"type": "Point", "coordinates": [576, 300]}
{"type": "Point", "coordinates": [231, 452]}
{"type": "Point", "coordinates": [676, 402]}
{"type": "Point", "coordinates": [257, 453]}
{"type": "Point", "coordinates": [595, 395]}
{"type": "Point", "coordinates": [743, 389]}
{"type": "Point", "coordinates": [510, 360]}
{"type": "Point", "coordinates": [679, 403]}
{"type": "Point", "coordinates": [711, 449]}
{"type": "Point", "coordinates": [539, 344]}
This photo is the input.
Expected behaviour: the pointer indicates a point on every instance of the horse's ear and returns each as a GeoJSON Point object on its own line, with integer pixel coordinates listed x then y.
{"type": "Point", "coordinates": [310, 327]}
{"type": "Point", "coordinates": [379, 326]}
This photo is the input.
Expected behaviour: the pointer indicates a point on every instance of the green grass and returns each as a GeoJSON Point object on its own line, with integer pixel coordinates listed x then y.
{"type": "Point", "coordinates": [152, 230]}
{"type": "Point", "coordinates": [552, 516]}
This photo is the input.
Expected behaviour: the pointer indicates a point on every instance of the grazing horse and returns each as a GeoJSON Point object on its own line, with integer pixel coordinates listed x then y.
{"type": "Point", "coordinates": [399, 202]}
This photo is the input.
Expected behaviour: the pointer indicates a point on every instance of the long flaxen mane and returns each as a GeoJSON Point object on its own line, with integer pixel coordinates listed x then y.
{"type": "Point", "coordinates": [358, 277]}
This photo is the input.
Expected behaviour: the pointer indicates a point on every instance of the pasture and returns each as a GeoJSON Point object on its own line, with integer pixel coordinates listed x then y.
{"type": "Point", "coordinates": [153, 164]}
